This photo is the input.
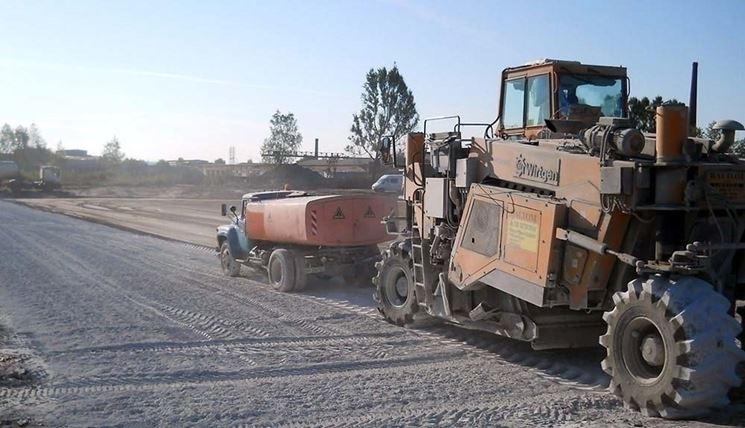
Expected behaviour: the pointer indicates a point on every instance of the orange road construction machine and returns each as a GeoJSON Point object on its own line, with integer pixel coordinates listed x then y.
{"type": "Point", "coordinates": [565, 226]}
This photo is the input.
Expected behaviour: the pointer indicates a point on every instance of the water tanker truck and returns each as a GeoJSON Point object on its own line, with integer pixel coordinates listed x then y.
{"type": "Point", "coordinates": [292, 235]}
{"type": "Point", "coordinates": [8, 171]}
{"type": "Point", "coordinates": [10, 177]}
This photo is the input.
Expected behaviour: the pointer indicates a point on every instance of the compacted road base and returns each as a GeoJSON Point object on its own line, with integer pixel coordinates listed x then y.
{"type": "Point", "coordinates": [114, 328]}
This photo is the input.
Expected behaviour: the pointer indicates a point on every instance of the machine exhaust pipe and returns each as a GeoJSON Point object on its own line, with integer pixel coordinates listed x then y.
{"type": "Point", "coordinates": [693, 101]}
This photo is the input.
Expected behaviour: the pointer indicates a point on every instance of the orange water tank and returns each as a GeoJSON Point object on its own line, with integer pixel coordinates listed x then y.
{"type": "Point", "coordinates": [332, 220]}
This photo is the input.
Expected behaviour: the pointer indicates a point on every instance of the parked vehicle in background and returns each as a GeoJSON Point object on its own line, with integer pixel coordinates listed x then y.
{"type": "Point", "coordinates": [10, 177]}
{"type": "Point", "coordinates": [8, 170]}
{"type": "Point", "coordinates": [393, 183]}
{"type": "Point", "coordinates": [294, 234]}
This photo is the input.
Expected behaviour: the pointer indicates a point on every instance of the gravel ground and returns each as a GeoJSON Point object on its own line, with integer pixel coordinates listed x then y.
{"type": "Point", "coordinates": [108, 328]}
{"type": "Point", "coordinates": [189, 220]}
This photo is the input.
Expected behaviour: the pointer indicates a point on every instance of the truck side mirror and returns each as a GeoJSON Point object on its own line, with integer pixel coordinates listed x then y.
{"type": "Point", "coordinates": [233, 209]}
{"type": "Point", "coordinates": [224, 210]}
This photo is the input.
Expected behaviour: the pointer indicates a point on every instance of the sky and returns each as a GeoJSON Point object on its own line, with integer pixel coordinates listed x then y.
{"type": "Point", "coordinates": [191, 78]}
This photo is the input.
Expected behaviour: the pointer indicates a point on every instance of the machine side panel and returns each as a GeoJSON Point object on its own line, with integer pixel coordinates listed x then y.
{"type": "Point", "coordinates": [511, 232]}
{"type": "Point", "coordinates": [543, 166]}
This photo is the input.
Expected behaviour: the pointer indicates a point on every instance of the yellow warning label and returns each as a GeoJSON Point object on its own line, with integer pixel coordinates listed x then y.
{"type": "Point", "coordinates": [522, 231]}
{"type": "Point", "coordinates": [339, 215]}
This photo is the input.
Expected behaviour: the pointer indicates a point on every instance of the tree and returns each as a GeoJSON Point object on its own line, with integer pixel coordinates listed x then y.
{"type": "Point", "coordinates": [642, 112]}
{"type": "Point", "coordinates": [388, 108]}
{"type": "Point", "coordinates": [35, 138]}
{"type": "Point", "coordinates": [711, 133]}
{"type": "Point", "coordinates": [219, 161]}
{"type": "Point", "coordinates": [21, 139]}
{"type": "Point", "coordinates": [284, 138]}
{"type": "Point", "coordinates": [7, 139]}
{"type": "Point", "coordinates": [112, 152]}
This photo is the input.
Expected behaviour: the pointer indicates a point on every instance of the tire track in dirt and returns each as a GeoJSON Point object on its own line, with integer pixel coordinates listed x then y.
{"type": "Point", "coordinates": [186, 276]}
{"type": "Point", "coordinates": [215, 379]}
{"type": "Point", "coordinates": [64, 261]}
{"type": "Point", "coordinates": [207, 326]}
{"type": "Point", "coordinates": [491, 413]}
{"type": "Point", "coordinates": [543, 363]}
{"type": "Point", "coordinates": [256, 342]}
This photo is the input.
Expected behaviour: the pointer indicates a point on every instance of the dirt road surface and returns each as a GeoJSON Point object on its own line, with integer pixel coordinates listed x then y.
{"type": "Point", "coordinates": [189, 220]}
{"type": "Point", "coordinates": [115, 328]}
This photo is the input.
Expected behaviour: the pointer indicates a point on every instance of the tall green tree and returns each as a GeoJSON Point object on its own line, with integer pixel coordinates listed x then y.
{"type": "Point", "coordinates": [7, 139]}
{"type": "Point", "coordinates": [12, 140]}
{"type": "Point", "coordinates": [388, 108]}
{"type": "Point", "coordinates": [21, 139]}
{"type": "Point", "coordinates": [642, 111]}
{"type": "Point", "coordinates": [283, 139]}
{"type": "Point", "coordinates": [112, 152]}
{"type": "Point", "coordinates": [34, 137]}
{"type": "Point", "coordinates": [709, 131]}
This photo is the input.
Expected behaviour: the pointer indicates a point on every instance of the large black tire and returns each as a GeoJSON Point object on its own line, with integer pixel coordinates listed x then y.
{"type": "Point", "coordinates": [281, 269]}
{"type": "Point", "coordinates": [671, 348]}
{"type": "Point", "coordinates": [394, 286]}
{"type": "Point", "coordinates": [230, 267]}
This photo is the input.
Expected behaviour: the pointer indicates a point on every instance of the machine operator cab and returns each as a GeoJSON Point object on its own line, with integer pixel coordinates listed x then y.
{"type": "Point", "coordinates": [553, 89]}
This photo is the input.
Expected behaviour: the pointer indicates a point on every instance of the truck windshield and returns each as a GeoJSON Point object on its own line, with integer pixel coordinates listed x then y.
{"type": "Point", "coordinates": [593, 91]}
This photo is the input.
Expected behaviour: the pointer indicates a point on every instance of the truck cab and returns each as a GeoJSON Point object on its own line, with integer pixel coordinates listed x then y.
{"type": "Point", "coordinates": [555, 89]}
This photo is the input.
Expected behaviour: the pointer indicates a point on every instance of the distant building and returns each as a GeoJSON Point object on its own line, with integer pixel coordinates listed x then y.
{"type": "Point", "coordinates": [187, 162]}
{"type": "Point", "coordinates": [330, 167]}
{"type": "Point", "coordinates": [79, 160]}
{"type": "Point", "coordinates": [239, 170]}
{"type": "Point", "coordinates": [77, 153]}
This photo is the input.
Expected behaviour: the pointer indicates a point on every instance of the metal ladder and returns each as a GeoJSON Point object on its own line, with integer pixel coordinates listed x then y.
{"type": "Point", "coordinates": [417, 257]}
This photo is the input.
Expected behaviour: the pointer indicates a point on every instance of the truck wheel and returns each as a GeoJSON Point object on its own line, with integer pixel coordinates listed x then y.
{"type": "Point", "coordinates": [301, 278]}
{"type": "Point", "coordinates": [671, 348]}
{"type": "Point", "coordinates": [394, 286]}
{"type": "Point", "coordinates": [230, 267]}
{"type": "Point", "coordinates": [281, 269]}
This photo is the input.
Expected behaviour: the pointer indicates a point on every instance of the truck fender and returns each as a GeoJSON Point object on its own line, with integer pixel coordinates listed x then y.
{"type": "Point", "coordinates": [230, 234]}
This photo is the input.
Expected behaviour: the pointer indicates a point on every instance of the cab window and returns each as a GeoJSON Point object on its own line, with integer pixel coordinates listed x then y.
{"type": "Point", "coordinates": [539, 107]}
{"type": "Point", "coordinates": [601, 92]}
{"type": "Point", "coordinates": [527, 102]}
{"type": "Point", "coordinates": [514, 103]}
